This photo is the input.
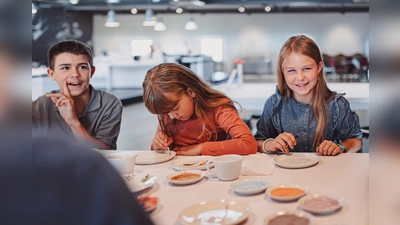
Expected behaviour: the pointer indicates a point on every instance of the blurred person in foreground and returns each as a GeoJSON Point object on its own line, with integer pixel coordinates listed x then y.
{"type": "Point", "coordinates": [78, 110]}
{"type": "Point", "coordinates": [384, 113]}
{"type": "Point", "coordinates": [60, 182]}
{"type": "Point", "coordinates": [15, 79]}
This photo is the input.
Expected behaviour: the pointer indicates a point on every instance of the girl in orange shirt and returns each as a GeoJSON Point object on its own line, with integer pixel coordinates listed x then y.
{"type": "Point", "coordinates": [194, 118]}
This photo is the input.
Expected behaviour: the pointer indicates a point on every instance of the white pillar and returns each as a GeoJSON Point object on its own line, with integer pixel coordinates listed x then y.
{"type": "Point", "coordinates": [239, 67]}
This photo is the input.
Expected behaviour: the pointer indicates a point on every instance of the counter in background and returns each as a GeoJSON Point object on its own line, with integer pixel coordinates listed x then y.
{"type": "Point", "coordinates": [252, 96]}
{"type": "Point", "coordinates": [121, 75]}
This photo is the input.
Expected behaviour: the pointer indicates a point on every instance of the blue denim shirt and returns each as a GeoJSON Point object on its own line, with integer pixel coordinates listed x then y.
{"type": "Point", "coordinates": [287, 115]}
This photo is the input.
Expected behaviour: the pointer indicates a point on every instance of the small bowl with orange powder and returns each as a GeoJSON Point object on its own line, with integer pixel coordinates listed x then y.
{"type": "Point", "coordinates": [285, 192]}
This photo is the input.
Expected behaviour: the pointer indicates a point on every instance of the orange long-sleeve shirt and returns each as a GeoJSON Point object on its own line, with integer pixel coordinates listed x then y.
{"type": "Point", "coordinates": [227, 121]}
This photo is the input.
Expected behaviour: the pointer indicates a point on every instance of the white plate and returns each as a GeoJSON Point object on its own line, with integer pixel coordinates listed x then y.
{"type": "Point", "coordinates": [300, 214]}
{"type": "Point", "coordinates": [191, 163]}
{"type": "Point", "coordinates": [152, 157]}
{"type": "Point", "coordinates": [297, 160]}
{"type": "Point", "coordinates": [215, 212]}
{"type": "Point", "coordinates": [184, 182]}
{"type": "Point", "coordinates": [287, 198]}
{"type": "Point", "coordinates": [250, 185]}
{"type": "Point", "coordinates": [324, 203]}
{"type": "Point", "coordinates": [136, 184]}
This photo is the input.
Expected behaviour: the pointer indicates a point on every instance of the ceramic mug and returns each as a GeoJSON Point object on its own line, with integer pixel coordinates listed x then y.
{"type": "Point", "coordinates": [227, 167]}
{"type": "Point", "coordinates": [123, 162]}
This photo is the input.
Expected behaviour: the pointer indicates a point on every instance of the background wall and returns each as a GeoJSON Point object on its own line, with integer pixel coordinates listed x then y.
{"type": "Point", "coordinates": [52, 25]}
{"type": "Point", "coordinates": [256, 35]}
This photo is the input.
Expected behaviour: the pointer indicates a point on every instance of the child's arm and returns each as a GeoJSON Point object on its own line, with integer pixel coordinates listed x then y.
{"type": "Point", "coordinates": [81, 134]}
{"type": "Point", "coordinates": [66, 107]}
{"type": "Point", "coordinates": [242, 140]}
{"type": "Point", "coordinates": [349, 131]}
{"type": "Point", "coordinates": [189, 150]}
{"type": "Point", "coordinates": [331, 148]}
{"type": "Point", "coordinates": [352, 144]}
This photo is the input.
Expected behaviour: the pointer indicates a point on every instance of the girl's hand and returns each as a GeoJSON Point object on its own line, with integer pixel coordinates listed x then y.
{"type": "Point", "coordinates": [328, 148]}
{"type": "Point", "coordinates": [161, 141]}
{"type": "Point", "coordinates": [189, 150]}
{"type": "Point", "coordinates": [284, 141]}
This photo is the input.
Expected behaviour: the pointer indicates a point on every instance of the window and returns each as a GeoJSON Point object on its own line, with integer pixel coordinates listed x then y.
{"type": "Point", "coordinates": [141, 47]}
{"type": "Point", "coordinates": [212, 47]}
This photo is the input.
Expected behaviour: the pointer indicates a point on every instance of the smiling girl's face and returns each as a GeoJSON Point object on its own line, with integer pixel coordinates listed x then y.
{"type": "Point", "coordinates": [184, 109]}
{"type": "Point", "coordinates": [301, 75]}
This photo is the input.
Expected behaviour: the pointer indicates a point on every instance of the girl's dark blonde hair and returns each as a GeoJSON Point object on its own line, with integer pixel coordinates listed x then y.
{"type": "Point", "coordinates": [177, 79]}
{"type": "Point", "coordinates": [306, 46]}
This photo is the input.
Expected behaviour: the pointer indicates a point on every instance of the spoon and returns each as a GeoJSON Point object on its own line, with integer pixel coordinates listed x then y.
{"type": "Point", "coordinates": [190, 163]}
{"type": "Point", "coordinates": [169, 152]}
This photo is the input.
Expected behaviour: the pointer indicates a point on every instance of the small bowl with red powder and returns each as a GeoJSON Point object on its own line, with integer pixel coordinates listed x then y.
{"type": "Point", "coordinates": [149, 203]}
{"type": "Point", "coordinates": [317, 203]}
{"type": "Point", "coordinates": [289, 217]}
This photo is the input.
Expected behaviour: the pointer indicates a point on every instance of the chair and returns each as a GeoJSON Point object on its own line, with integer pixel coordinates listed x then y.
{"type": "Point", "coordinates": [365, 134]}
{"type": "Point", "coordinates": [253, 119]}
{"type": "Point", "coordinates": [329, 64]}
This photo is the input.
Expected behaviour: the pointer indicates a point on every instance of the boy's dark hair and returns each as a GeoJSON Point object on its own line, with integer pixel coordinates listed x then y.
{"type": "Point", "coordinates": [71, 46]}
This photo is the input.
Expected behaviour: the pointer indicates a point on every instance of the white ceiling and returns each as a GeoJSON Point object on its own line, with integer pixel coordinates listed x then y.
{"type": "Point", "coordinates": [210, 6]}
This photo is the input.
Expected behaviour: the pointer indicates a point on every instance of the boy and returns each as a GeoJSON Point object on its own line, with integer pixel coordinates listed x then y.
{"type": "Point", "coordinates": [77, 110]}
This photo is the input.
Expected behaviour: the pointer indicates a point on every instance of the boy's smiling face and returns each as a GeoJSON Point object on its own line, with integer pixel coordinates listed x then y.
{"type": "Point", "coordinates": [75, 70]}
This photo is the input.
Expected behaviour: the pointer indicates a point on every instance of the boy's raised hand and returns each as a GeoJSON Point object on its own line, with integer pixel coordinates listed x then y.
{"type": "Point", "coordinates": [65, 105]}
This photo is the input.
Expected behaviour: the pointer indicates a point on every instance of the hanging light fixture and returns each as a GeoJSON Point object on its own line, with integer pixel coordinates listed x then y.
{"type": "Point", "coordinates": [149, 20]}
{"type": "Point", "coordinates": [74, 1]}
{"type": "Point", "coordinates": [179, 10]}
{"type": "Point", "coordinates": [198, 2]}
{"type": "Point", "coordinates": [267, 8]}
{"type": "Point", "coordinates": [111, 20]}
{"type": "Point", "coordinates": [160, 26]}
{"type": "Point", "coordinates": [134, 11]}
{"type": "Point", "coordinates": [34, 10]}
{"type": "Point", "coordinates": [191, 25]}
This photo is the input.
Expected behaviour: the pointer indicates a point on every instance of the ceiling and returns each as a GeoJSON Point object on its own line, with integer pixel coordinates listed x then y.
{"type": "Point", "coordinates": [209, 6]}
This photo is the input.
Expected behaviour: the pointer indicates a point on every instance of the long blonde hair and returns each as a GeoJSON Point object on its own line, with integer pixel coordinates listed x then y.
{"type": "Point", "coordinates": [322, 94]}
{"type": "Point", "coordinates": [175, 78]}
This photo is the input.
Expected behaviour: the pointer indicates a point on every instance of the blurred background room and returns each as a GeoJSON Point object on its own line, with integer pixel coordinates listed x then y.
{"type": "Point", "coordinates": [230, 43]}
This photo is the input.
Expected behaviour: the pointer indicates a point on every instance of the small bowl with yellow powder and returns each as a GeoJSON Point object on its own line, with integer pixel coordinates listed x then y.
{"type": "Point", "coordinates": [286, 192]}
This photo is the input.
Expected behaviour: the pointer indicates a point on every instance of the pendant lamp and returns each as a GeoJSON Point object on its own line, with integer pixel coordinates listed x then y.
{"type": "Point", "coordinates": [160, 26]}
{"type": "Point", "coordinates": [191, 25]}
{"type": "Point", "coordinates": [149, 20]}
{"type": "Point", "coordinates": [111, 20]}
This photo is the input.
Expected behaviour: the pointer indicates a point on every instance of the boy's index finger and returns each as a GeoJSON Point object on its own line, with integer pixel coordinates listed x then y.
{"type": "Point", "coordinates": [54, 95]}
{"type": "Point", "coordinates": [66, 90]}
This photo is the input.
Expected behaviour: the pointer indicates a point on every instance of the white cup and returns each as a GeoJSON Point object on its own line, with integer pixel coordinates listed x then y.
{"type": "Point", "coordinates": [227, 166]}
{"type": "Point", "coordinates": [123, 162]}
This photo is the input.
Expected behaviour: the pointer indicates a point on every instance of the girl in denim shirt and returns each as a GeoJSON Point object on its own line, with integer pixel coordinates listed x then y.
{"type": "Point", "coordinates": [304, 115]}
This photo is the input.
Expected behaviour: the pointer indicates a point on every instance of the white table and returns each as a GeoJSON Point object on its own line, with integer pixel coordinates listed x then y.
{"type": "Point", "coordinates": [345, 175]}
